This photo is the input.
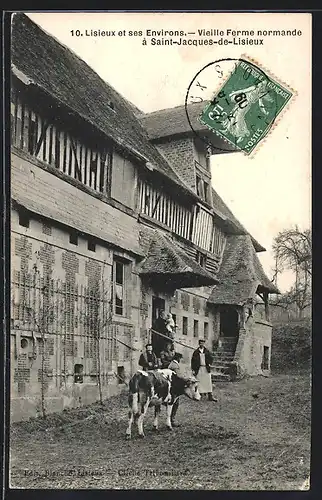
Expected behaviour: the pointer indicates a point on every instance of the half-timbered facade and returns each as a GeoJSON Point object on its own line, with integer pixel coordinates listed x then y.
{"type": "Point", "coordinates": [112, 220]}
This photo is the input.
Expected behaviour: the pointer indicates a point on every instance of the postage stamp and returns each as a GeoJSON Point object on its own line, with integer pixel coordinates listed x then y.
{"type": "Point", "coordinates": [246, 106]}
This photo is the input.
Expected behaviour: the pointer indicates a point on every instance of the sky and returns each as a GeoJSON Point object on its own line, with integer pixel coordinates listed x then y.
{"type": "Point", "coordinates": [267, 193]}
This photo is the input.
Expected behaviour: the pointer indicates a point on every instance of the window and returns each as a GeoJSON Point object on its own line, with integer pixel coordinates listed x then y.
{"type": "Point", "coordinates": [195, 328]}
{"type": "Point", "coordinates": [201, 258]}
{"type": "Point", "coordinates": [123, 185]}
{"type": "Point", "coordinates": [91, 245]}
{"type": "Point", "coordinates": [24, 219]}
{"type": "Point", "coordinates": [200, 187]}
{"type": "Point", "coordinates": [203, 189]}
{"type": "Point", "coordinates": [206, 330]}
{"type": "Point", "coordinates": [207, 192]}
{"type": "Point", "coordinates": [184, 325]}
{"type": "Point", "coordinates": [78, 374]}
{"type": "Point", "coordinates": [174, 317]}
{"type": "Point", "coordinates": [120, 375]}
{"type": "Point", "coordinates": [265, 359]}
{"type": "Point", "coordinates": [24, 343]}
{"type": "Point", "coordinates": [73, 238]}
{"type": "Point", "coordinates": [201, 153]}
{"type": "Point", "coordinates": [118, 283]}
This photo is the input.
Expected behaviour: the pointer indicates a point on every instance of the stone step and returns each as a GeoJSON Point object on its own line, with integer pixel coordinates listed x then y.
{"type": "Point", "coordinates": [224, 356]}
{"type": "Point", "coordinates": [221, 362]}
{"type": "Point", "coordinates": [220, 377]}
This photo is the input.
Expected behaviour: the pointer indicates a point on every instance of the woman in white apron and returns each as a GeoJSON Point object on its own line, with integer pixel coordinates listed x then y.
{"type": "Point", "coordinates": [200, 365]}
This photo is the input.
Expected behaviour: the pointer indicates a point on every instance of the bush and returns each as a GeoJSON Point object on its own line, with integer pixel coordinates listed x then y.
{"type": "Point", "coordinates": [291, 345]}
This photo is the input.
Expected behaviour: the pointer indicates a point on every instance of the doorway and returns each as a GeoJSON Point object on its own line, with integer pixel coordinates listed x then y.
{"type": "Point", "coordinates": [265, 358]}
{"type": "Point", "coordinates": [158, 305]}
{"type": "Point", "coordinates": [229, 322]}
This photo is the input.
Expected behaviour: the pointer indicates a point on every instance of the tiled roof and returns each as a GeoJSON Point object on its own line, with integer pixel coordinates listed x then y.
{"type": "Point", "coordinates": [174, 121]}
{"type": "Point", "coordinates": [240, 273]}
{"type": "Point", "coordinates": [38, 59]}
{"type": "Point", "coordinates": [167, 262]}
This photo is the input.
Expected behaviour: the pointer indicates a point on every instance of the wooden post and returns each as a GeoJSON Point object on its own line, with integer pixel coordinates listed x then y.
{"type": "Point", "coordinates": [265, 295]}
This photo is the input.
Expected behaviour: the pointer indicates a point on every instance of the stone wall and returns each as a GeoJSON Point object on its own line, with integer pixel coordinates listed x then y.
{"type": "Point", "coordinates": [43, 360]}
{"type": "Point", "coordinates": [49, 330]}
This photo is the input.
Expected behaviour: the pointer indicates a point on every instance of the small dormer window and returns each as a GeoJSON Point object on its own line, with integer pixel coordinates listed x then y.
{"type": "Point", "coordinates": [203, 189]}
{"type": "Point", "coordinates": [110, 104]}
{"type": "Point", "coordinates": [207, 192]}
{"type": "Point", "coordinates": [201, 258]}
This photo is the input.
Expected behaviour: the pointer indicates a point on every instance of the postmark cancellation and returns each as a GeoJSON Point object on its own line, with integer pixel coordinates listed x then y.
{"type": "Point", "coordinates": [247, 106]}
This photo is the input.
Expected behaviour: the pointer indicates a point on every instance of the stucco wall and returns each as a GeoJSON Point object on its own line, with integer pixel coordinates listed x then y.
{"type": "Point", "coordinates": [257, 334]}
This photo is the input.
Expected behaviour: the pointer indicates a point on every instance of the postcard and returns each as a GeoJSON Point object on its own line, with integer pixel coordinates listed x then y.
{"type": "Point", "coordinates": [160, 250]}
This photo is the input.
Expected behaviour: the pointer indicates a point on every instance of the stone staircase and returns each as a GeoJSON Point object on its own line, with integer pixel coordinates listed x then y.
{"type": "Point", "coordinates": [222, 359]}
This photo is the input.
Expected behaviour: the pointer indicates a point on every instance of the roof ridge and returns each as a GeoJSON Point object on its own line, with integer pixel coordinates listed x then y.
{"type": "Point", "coordinates": [128, 132]}
{"type": "Point", "coordinates": [169, 108]}
{"type": "Point", "coordinates": [161, 110]}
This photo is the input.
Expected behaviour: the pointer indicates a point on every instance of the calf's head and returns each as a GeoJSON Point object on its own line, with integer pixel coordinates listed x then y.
{"type": "Point", "coordinates": [191, 389]}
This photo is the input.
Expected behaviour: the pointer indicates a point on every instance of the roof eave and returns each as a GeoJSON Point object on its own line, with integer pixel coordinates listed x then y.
{"type": "Point", "coordinates": [27, 82]}
{"type": "Point", "coordinates": [258, 247]}
{"type": "Point", "coordinates": [180, 279]}
{"type": "Point", "coordinates": [30, 83]}
{"type": "Point", "coordinates": [17, 204]}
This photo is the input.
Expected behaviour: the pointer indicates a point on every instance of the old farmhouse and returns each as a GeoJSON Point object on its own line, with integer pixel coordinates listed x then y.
{"type": "Point", "coordinates": [114, 218]}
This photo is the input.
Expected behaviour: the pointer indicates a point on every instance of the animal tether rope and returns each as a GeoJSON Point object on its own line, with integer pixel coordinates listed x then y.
{"type": "Point", "coordinates": [158, 333]}
{"type": "Point", "coordinates": [172, 340]}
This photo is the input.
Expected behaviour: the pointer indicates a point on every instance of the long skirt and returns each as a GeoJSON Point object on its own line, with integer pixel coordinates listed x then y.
{"type": "Point", "coordinates": [204, 380]}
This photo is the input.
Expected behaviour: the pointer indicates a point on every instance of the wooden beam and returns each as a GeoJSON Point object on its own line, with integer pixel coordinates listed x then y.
{"type": "Point", "coordinates": [156, 204]}
{"type": "Point", "coordinates": [77, 167]}
{"type": "Point", "coordinates": [42, 136]}
{"type": "Point", "coordinates": [265, 294]}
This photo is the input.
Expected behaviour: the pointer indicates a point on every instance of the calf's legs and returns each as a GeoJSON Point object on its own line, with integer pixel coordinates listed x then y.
{"type": "Point", "coordinates": [129, 427]}
{"type": "Point", "coordinates": [157, 410]}
{"type": "Point", "coordinates": [144, 409]}
{"type": "Point", "coordinates": [169, 411]}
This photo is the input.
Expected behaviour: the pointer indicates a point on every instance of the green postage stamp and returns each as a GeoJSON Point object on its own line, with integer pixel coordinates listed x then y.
{"type": "Point", "coordinates": [246, 107]}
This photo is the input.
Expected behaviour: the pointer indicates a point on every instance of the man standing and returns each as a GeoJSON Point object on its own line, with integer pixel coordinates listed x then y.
{"type": "Point", "coordinates": [175, 366]}
{"type": "Point", "coordinates": [148, 359]}
{"type": "Point", "coordinates": [167, 355]}
{"type": "Point", "coordinates": [200, 366]}
{"type": "Point", "coordinates": [159, 326]}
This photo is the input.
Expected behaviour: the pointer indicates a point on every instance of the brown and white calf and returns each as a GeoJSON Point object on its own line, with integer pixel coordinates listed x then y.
{"type": "Point", "coordinates": [151, 388]}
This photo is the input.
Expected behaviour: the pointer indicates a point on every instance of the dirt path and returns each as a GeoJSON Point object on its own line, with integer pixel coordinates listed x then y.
{"type": "Point", "coordinates": [241, 442]}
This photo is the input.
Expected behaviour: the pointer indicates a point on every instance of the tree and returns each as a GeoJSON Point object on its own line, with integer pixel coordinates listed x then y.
{"type": "Point", "coordinates": [292, 250]}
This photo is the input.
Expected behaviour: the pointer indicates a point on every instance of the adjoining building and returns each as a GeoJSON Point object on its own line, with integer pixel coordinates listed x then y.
{"type": "Point", "coordinates": [114, 218]}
